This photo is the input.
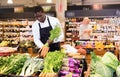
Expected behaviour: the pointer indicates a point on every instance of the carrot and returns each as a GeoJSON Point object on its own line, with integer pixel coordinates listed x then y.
{"type": "Point", "coordinates": [44, 74]}
{"type": "Point", "coordinates": [44, 50]}
{"type": "Point", "coordinates": [40, 75]}
{"type": "Point", "coordinates": [47, 75]}
{"type": "Point", "coordinates": [55, 75]}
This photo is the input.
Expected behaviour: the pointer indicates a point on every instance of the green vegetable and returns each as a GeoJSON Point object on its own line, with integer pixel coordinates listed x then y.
{"type": "Point", "coordinates": [97, 66]}
{"type": "Point", "coordinates": [2, 61]}
{"type": "Point", "coordinates": [103, 70]}
{"type": "Point", "coordinates": [54, 33]}
{"type": "Point", "coordinates": [13, 64]}
{"type": "Point", "coordinates": [53, 62]}
{"type": "Point", "coordinates": [26, 64]}
{"type": "Point", "coordinates": [94, 60]}
{"type": "Point", "coordinates": [95, 75]}
{"type": "Point", "coordinates": [31, 66]}
{"type": "Point", "coordinates": [110, 60]}
{"type": "Point", "coordinates": [118, 71]}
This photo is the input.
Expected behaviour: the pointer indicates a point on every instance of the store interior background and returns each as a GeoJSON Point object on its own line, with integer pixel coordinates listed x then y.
{"type": "Point", "coordinates": [60, 6]}
{"type": "Point", "coordinates": [16, 19]}
{"type": "Point", "coordinates": [62, 9]}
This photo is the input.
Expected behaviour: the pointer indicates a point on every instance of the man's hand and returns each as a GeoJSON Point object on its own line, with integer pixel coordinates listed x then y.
{"type": "Point", "coordinates": [44, 50]}
{"type": "Point", "coordinates": [49, 41]}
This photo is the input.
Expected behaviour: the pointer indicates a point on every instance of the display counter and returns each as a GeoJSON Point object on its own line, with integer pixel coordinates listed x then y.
{"type": "Point", "coordinates": [63, 59]}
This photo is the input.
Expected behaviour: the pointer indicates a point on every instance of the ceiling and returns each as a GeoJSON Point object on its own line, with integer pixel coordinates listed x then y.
{"type": "Point", "coordinates": [27, 3]}
{"type": "Point", "coordinates": [31, 3]}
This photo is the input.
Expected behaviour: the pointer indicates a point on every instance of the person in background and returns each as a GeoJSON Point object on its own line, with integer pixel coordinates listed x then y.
{"type": "Point", "coordinates": [85, 30]}
{"type": "Point", "coordinates": [41, 31]}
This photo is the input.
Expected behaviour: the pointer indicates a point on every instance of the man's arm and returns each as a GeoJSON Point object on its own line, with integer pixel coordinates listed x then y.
{"type": "Point", "coordinates": [36, 35]}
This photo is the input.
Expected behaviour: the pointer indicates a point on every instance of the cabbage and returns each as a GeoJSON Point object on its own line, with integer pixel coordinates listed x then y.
{"type": "Point", "coordinates": [103, 70]}
{"type": "Point", "coordinates": [110, 60]}
{"type": "Point", "coordinates": [95, 75]}
{"type": "Point", "coordinates": [118, 71]}
{"type": "Point", "coordinates": [98, 68]}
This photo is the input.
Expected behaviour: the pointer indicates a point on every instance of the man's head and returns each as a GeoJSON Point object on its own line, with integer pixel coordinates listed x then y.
{"type": "Point", "coordinates": [39, 13]}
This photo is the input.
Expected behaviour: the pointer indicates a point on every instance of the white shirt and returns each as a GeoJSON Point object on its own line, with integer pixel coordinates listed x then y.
{"type": "Point", "coordinates": [36, 34]}
{"type": "Point", "coordinates": [82, 29]}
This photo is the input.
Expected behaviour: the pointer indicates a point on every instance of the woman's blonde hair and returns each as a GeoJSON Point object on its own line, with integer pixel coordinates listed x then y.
{"type": "Point", "coordinates": [86, 20]}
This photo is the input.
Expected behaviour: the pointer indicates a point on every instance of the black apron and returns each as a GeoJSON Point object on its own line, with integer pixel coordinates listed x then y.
{"type": "Point", "coordinates": [45, 34]}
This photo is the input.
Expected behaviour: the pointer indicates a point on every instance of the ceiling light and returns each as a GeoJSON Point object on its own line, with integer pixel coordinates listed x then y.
{"type": "Point", "coordinates": [97, 6]}
{"type": "Point", "coordinates": [49, 1]}
{"type": "Point", "coordinates": [9, 1]}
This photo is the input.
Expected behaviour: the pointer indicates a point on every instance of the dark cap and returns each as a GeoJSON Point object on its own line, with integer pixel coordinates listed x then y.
{"type": "Point", "coordinates": [38, 9]}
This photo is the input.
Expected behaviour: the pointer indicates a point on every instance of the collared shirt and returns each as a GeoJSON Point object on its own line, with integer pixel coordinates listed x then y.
{"type": "Point", "coordinates": [36, 34]}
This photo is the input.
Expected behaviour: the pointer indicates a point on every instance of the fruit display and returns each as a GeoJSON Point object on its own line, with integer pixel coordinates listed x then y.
{"type": "Point", "coordinates": [26, 43]}
{"type": "Point", "coordinates": [94, 44]}
{"type": "Point", "coordinates": [4, 43]}
{"type": "Point", "coordinates": [99, 45]}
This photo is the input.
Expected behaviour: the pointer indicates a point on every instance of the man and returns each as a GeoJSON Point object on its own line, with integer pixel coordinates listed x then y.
{"type": "Point", "coordinates": [41, 31]}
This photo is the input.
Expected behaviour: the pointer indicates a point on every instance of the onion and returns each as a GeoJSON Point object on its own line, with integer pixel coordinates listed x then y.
{"type": "Point", "coordinates": [75, 75]}
{"type": "Point", "coordinates": [71, 69]}
{"type": "Point", "coordinates": [63, 72]}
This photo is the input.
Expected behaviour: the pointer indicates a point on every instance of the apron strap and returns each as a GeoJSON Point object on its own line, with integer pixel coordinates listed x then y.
{"type": "Point", "coordinates": [39, 28]}
{"type": "Point", "coordinates": [49, 22]}
{"type": "Point", "coordinates": [40, 25]}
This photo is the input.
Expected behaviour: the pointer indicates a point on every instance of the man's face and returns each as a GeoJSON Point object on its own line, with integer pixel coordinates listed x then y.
{"type": "Point", "coordinates": [40, 16]}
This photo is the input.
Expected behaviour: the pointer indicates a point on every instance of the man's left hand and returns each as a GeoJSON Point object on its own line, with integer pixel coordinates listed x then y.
{"type": "Point", "coordinates": [44, 50]}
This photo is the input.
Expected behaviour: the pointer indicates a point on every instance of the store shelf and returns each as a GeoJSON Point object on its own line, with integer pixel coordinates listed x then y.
{"type": "Point", "coordinates": [71, 30]}
{"type": "Point", "coordinates": [15, 31]}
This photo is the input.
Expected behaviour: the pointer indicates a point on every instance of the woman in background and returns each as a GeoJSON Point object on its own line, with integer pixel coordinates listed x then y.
{"type": "Point", "coordinates": [85, 30]}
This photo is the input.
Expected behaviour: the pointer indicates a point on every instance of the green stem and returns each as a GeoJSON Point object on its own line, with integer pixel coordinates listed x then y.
{"type": "Point", "coordinates": [46, 44]}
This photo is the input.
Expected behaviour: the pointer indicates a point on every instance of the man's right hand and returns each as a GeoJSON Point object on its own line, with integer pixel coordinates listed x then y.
{"type": "Point", "coordinates": [49, 41]}
{"type": "Point", "coordinates": [44, 50]}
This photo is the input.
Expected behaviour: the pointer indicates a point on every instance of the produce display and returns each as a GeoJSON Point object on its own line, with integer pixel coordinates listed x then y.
{"type": "Point", "coordinates": [12, 64]}
{"type": "Point", "coordinates": [4, 43]}
{"type": "Point", "coordinates": [20, 65]}
{"type": "Point", "coordinates": [31, 66]}
{"type": "Point", "coordinates": [104, 66]}
{"type": "Point", "coordinates": [52, 64]}
{"type": "Point", "coordinates": [71, 68]}
{"type": "Point", "coordinates": [26, 43]}
{"type": "Point", "coordinates": [94, 44]}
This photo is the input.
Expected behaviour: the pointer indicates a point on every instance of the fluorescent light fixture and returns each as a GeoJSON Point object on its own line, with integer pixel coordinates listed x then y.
{"type": "Point", "coordinates": [49, 1]}
{"type": "Point", "coordinates": [10, 2]}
